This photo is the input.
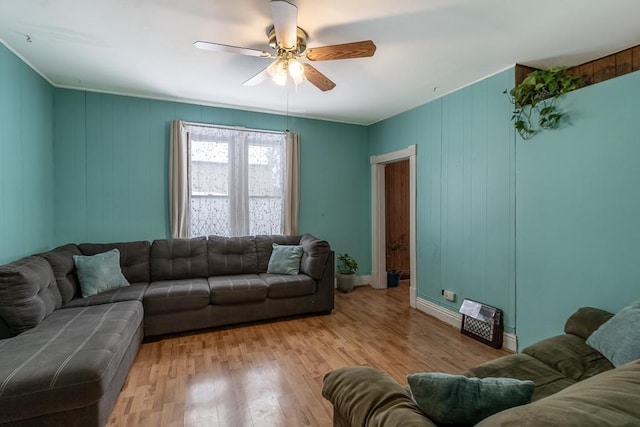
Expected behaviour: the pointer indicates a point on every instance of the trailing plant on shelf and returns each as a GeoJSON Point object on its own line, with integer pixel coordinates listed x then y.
{"type": "Point", "coordinates": [537, 96]}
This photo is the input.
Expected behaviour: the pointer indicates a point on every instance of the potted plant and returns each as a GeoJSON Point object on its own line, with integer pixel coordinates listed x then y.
{"type": "Point", "coordinates": [394, 273]}
{"type": "Point", "coordinates": [537, 94]}
{"type": "Point", "coordinates": [347, 269]}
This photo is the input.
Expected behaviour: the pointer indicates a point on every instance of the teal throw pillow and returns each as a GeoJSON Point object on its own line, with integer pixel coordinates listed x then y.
{"type": "Point", "coordinates": [459, 400]}
{"type": "Point", "coordinates": [618, 339]}
{"type": "Point", "coordinates": [285, 259]}
{"type": "Point", "coordinates": [99, 273]}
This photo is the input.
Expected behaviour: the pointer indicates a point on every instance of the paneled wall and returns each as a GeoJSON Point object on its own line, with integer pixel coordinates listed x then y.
{"type": "Point", "coordinates": [26, 159]}
{"type": "Point", "coordinates": [465, 192]}
{"type": "Point", "coordinates": [578, 210]}
{"type": "Point", "coordinates": [112, 159]}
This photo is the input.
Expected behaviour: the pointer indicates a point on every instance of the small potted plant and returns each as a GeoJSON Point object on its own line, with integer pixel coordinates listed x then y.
{"type": "Point", "coordinates": [347, 269]}
{"type": "Point", "coordinates": [394, 273]}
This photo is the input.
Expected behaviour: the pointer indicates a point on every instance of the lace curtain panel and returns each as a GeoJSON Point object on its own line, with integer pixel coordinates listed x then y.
{"type": "Point", "coordinates": [241, 182]}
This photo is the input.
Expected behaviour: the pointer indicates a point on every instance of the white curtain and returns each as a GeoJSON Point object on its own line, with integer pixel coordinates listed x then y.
{"type": "Point", "coordinates": [292, 186]}
{"type": "Point", "coordinates": [241, 181]}
{"type": "Point", "coordinates": [179, 193]}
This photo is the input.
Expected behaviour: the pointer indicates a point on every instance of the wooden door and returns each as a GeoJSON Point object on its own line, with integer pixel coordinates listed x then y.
{"type": "Point", "coordinates": [397, 216]}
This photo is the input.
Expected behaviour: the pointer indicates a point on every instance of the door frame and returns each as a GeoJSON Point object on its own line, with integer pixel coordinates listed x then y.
{"type": "Point", "coordinates": [378, 236]}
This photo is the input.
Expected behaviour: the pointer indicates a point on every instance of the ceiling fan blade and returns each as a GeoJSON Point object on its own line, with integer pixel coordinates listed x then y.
{"type": "Point", "coordinates": [258, 78]}
{"type": "Point", "coordinates": [318, 79]}
{"type": "Point", "coordinates": [217, 47]}
{"type": "Point", "coordinates": [285, 22]}
{"type": "Point", "coordinates": [342, 51]}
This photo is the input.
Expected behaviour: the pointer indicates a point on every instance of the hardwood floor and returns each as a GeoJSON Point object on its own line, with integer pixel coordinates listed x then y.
{"type": "Point", "coordinates": [270, 374]}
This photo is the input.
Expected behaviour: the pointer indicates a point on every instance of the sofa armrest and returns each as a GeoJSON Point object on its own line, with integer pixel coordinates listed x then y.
{"type": "Point", "coordinates": [585, 321]}
{"type": "Point", "coordinates": [364, 396]}
{"type": "Point", "coordinates": [314, 256]}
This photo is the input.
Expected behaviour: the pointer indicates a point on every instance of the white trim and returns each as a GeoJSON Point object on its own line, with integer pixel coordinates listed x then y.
{"type": "Point", "coordinates": [509, 340]}
{"type": "Point", "coordinates": [378, 218]}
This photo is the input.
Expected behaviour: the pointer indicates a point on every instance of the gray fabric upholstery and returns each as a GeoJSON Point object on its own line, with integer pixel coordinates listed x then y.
{"type": "Point", "coordinates": [176, 295]}
{"type": "Point", "coordinates": [134, 257]}
{"type": "Point", "coordinates": [64, 270]}
{"type": "Point", "coordinates": [5, 330]}
{"type": "Point", "coordinates": [314, 256]}
{"type": "Point", "coordinates": [237, 289]}
{"type": "Point", "coordinates": [287, 286]}
{"type": "Point", "coordinates": [232, 255]}
{"type": "Point", "coordinates": [264, 247]}
{"type": "Point", "coordinates": [133, 292]}
{"type": "Point", "coordinates": [28, 293]}
{"type": "Point", "coordinates": [174, 259]}
{"type": "Point", "coordinates": [66, 362]}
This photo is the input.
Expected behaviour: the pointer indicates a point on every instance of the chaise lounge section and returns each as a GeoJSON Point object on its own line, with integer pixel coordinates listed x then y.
{"type": "Point", "coordinates": [64, 358]}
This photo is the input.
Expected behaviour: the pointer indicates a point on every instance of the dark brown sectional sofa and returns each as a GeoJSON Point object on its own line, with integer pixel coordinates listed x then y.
{"type": "Point", "coordinates": [64, 358]}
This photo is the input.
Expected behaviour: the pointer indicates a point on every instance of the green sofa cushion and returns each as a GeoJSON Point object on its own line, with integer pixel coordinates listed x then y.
{"type": "Point", "coordinates": [364, 396]}
{"type": "Point", "coordinates": [619, 338]}
{"type": "Point", "coordinates": [285, 259]}
{"type": "Point", "coordinates": [608, 399]}
{"type": "Point", "coordinates": [99, 273]}
{"type": "Point", "coordinates": [459, 400]}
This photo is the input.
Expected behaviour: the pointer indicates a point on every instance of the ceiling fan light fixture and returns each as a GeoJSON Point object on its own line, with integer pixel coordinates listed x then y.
{"type": "Point", "coordinates": [296, 70]}
{"type": "Point", "coordinates": [278, 72]}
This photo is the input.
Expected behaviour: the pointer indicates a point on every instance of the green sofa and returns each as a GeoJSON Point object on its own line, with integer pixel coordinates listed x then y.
{"type": "Point", "coordinates": [575, 386]}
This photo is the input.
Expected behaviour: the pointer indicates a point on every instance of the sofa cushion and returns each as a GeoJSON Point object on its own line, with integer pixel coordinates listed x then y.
{"type": "Point", "coordinates": [569, 355]}
{"type": "Point", "coordinates": [618, 339]}
{"type": "Point", "coordinates": [28, 293]}
{"type": "Point", "coordinates": [232, 255]}
{"type": "Point", "coordinates": [607, 399]}
{"type": "Point", "coordinates": [287, 286]}
{"type": "Point", "coordinates": [459, 400]}
{"type": "Point", "coordinates": [99, 273]}
{"type": "Point", "coordinates": [524, 367]}
{"type": "Point", "coordinates": [134, 257]}
{"type": "Point", "coordinates": [364, 396]}
{"type": "Point", "coordinates": [585, 321]}
{"type": "Point", "coordinates": [64, 270]}
{"type": "Point", "coordinates": [67, 361]}
{"type": "Point", "coordinates": [285, 259]}
{"type": "Point", "coordinates": [264, 247]}
{"type": "Point", "coordinates": [175, 259]}
{"type": "Point", "coordinates": [237, 289]}
{"type": "Point", "coordinates": [169, 296]}
{"type": "Point", "coordinates": [314, 256]}
{"type": "Point", "coordinates": [133, 292]}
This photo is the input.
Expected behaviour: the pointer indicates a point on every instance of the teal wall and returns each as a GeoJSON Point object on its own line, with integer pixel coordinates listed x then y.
{"type": "Point", "coordinates": [111, 156]}
{"type": "Point", "coordinates": [578, 210]}
{"type": "Point", "coordinates": [26, 159]}
{"type": "Point", "coordinates": [465, 199]}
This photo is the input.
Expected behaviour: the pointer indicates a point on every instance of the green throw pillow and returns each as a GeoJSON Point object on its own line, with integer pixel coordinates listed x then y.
{"type": "Point", "coordinates": [99, 273]}
{"type": "Point", "coordinates": [456, 399]}
{"type": "Point", "coordinates": [285, 259]}
{"type": "Point", "coordinates": [618, 339]}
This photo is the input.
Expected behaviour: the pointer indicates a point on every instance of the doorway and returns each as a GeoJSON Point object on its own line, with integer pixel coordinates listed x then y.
{"type": "Point", "coordinates": [378, 218]}
{"type": "Point", "coordinates": [396, 195]}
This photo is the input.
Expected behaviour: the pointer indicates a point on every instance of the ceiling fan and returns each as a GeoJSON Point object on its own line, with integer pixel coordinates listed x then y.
{"type": "Point", "coordinates": [289, 43]}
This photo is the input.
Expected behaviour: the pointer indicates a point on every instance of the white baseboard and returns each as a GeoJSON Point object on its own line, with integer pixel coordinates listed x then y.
{"type": "Point", "coordinates": [509, 341]}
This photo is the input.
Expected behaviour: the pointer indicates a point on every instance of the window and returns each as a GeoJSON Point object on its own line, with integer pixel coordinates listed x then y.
{"type": "Point", "coordinates": [237, 181]}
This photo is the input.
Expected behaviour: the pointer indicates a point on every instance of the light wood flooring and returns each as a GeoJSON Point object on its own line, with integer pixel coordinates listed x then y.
{"type": "Point", "coordinates": [270, 374]}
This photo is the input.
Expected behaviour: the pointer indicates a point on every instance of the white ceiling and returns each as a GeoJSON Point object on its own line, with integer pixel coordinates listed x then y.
{"type": "Point", "coordinates": [425, 48]}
